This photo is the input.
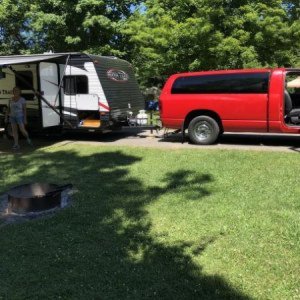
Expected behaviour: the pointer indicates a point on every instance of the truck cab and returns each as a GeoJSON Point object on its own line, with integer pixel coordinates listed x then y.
{"type": "Point", "coordinates": [211, 103]}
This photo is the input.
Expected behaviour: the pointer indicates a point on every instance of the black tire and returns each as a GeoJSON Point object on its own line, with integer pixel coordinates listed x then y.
{"type": "Point", "coordinates": [8, 131]}
{"type": "Point", "coordinates": [204, 130]}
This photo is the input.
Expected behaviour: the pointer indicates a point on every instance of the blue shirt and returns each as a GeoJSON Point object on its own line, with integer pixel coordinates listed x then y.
{"type": "Point", "coordinates": [16, 107]}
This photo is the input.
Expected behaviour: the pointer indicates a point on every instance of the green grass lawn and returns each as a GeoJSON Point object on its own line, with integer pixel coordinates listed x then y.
{"type": "Point", "coordinates": [156, 224]}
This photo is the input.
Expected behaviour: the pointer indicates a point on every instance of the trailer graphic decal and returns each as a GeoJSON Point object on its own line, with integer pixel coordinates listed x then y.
{"type": "Point", "coordinates": [101, 105]}
{"type": "Point", "coordinates": [117, 75]}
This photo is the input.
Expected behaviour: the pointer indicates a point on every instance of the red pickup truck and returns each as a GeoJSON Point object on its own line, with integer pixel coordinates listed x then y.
{"type": "Point", "coordinates": [210, 103]}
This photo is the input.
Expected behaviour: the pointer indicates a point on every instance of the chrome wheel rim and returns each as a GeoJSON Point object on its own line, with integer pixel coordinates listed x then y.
{"type": "Point", "coordinates": [203, 130]}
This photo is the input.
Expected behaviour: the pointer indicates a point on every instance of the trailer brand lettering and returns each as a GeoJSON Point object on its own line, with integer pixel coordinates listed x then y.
{"type": "Point", "coordinates": [6, 92]}
{"type": "Point", "coordinates": [117, 75]}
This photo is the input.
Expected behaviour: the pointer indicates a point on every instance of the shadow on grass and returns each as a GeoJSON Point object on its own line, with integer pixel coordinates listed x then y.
{"type": "Point", "coordinates": [101, 248]}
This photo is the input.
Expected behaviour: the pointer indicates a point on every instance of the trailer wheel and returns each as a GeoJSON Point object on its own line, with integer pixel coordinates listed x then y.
{"type": "Point", "coordinates": [8, 131]}
{"type": "Point", "coordinates": [203, 130]}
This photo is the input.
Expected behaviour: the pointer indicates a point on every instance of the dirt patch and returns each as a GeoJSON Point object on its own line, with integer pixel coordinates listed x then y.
{"type": "Point", "coordinates": [140, 138]}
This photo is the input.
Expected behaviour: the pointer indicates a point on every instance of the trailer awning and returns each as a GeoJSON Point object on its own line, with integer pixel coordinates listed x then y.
{"type": "Point", "coordinates": [26, 59]}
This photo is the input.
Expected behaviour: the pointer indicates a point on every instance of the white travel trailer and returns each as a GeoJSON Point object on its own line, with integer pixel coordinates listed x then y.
{"type": "Point", "coordinates": [72, 91]}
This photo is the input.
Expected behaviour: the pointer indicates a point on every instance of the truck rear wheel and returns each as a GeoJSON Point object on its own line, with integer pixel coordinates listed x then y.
{"type": "Point", "coordinates": [203, 130]}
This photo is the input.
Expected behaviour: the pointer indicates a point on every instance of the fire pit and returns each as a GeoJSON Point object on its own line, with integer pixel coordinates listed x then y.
{"type": "Point", "coordinates": [35, 197]}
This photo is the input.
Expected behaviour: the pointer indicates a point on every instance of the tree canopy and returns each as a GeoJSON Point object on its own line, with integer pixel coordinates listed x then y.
{"type": "Point", "coordinates": [63, 25]}
{"type": "Point", "coordinates": [160, 37]}
{"type": "Point", "coordinates": [188, 35]}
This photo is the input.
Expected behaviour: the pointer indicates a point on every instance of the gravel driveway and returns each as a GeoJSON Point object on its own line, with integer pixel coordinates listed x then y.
{"type": "Point", "coordinates": [139, 138]}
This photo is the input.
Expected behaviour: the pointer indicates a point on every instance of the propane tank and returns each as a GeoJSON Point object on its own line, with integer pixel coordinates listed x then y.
{"type": "Point", "coordinates": [142, 118]}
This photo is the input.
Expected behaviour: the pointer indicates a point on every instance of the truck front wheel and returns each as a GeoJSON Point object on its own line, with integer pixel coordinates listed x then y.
{"type": "Point", "coordinates": [203, 130]}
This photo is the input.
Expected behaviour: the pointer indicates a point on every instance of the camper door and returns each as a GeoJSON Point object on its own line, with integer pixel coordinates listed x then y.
{"type": "Point", "coordinates": [49, 82]}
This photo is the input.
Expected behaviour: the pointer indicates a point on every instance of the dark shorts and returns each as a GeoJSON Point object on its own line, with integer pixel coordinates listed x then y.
{"type": "Point", "coordinates": [16, 120]}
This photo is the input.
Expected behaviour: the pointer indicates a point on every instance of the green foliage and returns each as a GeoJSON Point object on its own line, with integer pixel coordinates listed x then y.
{"type": "Point", "coordinates": [160, 37]}
{"type": "Point", "coordinates": [12, 26]}
{"type": "Point", "coordinates": [79, 25]}
{"type": "Point", "coordinates": [215, 34]}
{"type": "Point", "coordinates": [63, 25]}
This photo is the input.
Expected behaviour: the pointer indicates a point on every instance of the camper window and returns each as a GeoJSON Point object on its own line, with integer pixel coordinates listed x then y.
{"type": "Point", "coordinates": [26, 76]}
{"type": "Point", "coordinates": [76, 85]}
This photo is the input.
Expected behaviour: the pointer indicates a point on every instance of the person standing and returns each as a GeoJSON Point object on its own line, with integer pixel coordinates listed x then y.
{"type": "Point", "coordinates": [18, 117]}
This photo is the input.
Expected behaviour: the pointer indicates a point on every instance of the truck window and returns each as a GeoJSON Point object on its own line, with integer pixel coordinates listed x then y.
{"type": "Point", "coordinates": [76, 85]}
{"type": "Point", "coordinates": [293, 82]}
{"type": "Point", "coordinates": [28, 77]}
{"type": "Point", "coordinates": [239, 83]}
{"type": "Point", "coordinates": [292, 85]}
